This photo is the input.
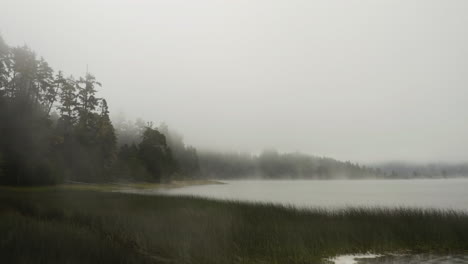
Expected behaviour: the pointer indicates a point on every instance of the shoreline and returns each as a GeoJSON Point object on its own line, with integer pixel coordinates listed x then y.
{"type": "Point", "coordinates": [111, 187]}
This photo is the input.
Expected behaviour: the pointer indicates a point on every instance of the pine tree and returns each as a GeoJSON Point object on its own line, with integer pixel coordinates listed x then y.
{"type": "Point", "coordinates": [46, 86]}
{"type": "Point", "coordinates": [24, 65]}
{"type": "Point", "coordinates": [67, 99]}
{"type": "Point", "coordinates": [5, 65]}
{"type": "Point", "coordinates": [156, 155]}
{"type": "Point", "coordinates": [88, 102]}
{"type": "Point", "coordinates": [106, 135]}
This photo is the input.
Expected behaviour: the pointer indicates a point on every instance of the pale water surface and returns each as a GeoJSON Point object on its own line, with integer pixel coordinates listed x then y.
{"type": "Point", "coordinates": [334, 194]}
{"type": "Point", "coordinates": [399, 259]}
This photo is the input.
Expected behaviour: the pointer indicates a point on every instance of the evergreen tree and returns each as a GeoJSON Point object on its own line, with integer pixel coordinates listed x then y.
{"type": "Point", "coordinates": [87, 100]}
{"type": "Point", "coordinates": [156, 155]}
{"type": "Point", "coordinates": [106, 135]}
{"type": "Point", "coordinates": [5, 65]}
{"type": "Point", "coordinates": [67, 99]}
{"type": "Point", "coordinates": [186, 157]}
{"type": "Point", "coordinates": [47, 86]}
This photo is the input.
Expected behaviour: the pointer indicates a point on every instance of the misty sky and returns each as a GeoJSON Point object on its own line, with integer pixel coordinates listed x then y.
{"type": "Point", "coordinates": [352, 79]}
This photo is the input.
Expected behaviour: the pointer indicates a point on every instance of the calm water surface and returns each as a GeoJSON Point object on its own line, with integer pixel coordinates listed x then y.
{"type": "Point", "coordinates": [398, 259]}
{"type": "Point", "coordinates": [334, 194]}
{"type": "Point", "coordinates": [415, 259]}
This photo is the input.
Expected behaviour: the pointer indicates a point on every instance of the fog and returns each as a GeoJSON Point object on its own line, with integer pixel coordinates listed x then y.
{"type": "Point", "coordinates": [366, 81]}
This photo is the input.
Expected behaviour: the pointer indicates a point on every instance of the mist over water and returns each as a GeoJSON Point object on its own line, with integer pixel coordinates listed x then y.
{"type": "Point", "coordinates": [313, 131]}
{"type": "Point", "coordinates": [436, 194]}
{"type": "Point", "coordinates": [366, 81]}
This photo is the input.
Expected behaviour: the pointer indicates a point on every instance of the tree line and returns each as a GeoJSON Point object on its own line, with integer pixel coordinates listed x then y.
{"type": "Point", "coordinates": [55, 128]}
{"type": "Point", "coordinates": [409, 170]}
{"type": "Point", "coordinates": [270, 164]}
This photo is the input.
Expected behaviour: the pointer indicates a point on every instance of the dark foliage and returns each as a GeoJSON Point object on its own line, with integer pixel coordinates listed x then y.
{"type": "Point", "coordinates": [186, 156]}
{"type": "Point", "coordinates": [79, 143]}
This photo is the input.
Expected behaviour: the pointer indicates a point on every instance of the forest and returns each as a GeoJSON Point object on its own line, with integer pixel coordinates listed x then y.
{"type": "Point", "coordinates": [55, 128]}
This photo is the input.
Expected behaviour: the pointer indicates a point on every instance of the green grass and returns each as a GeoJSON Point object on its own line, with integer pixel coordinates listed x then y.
{"type": "Point", "coordinates": [81, 226]}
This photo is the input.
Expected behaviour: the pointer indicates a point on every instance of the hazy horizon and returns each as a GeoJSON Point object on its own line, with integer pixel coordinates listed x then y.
{"type": "Point", "coordinates": [365, 81]}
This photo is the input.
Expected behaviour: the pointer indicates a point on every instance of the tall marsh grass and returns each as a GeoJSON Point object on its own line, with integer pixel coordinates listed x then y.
{"type": "Point", "coordinates": [70, 226]}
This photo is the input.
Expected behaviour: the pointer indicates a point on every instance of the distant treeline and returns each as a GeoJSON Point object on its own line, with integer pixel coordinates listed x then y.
{"type": "Point", "coordinates": [231, 165]}
{"type": "Point", "coordinates": [405, 170]}
{"type": "Point", "coordinates": [273, 165]}
{"type": "Point", "coordinates": [54, 128]}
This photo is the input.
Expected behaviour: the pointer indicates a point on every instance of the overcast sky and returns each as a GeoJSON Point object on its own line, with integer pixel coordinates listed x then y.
{"type": "Point", "coordinates": [355, 80]}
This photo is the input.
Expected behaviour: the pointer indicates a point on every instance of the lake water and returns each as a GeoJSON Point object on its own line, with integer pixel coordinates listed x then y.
{"type": "Point", "coordinates": [334, 194]}
{"type": "Point", "coordinates": [399, 259]}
